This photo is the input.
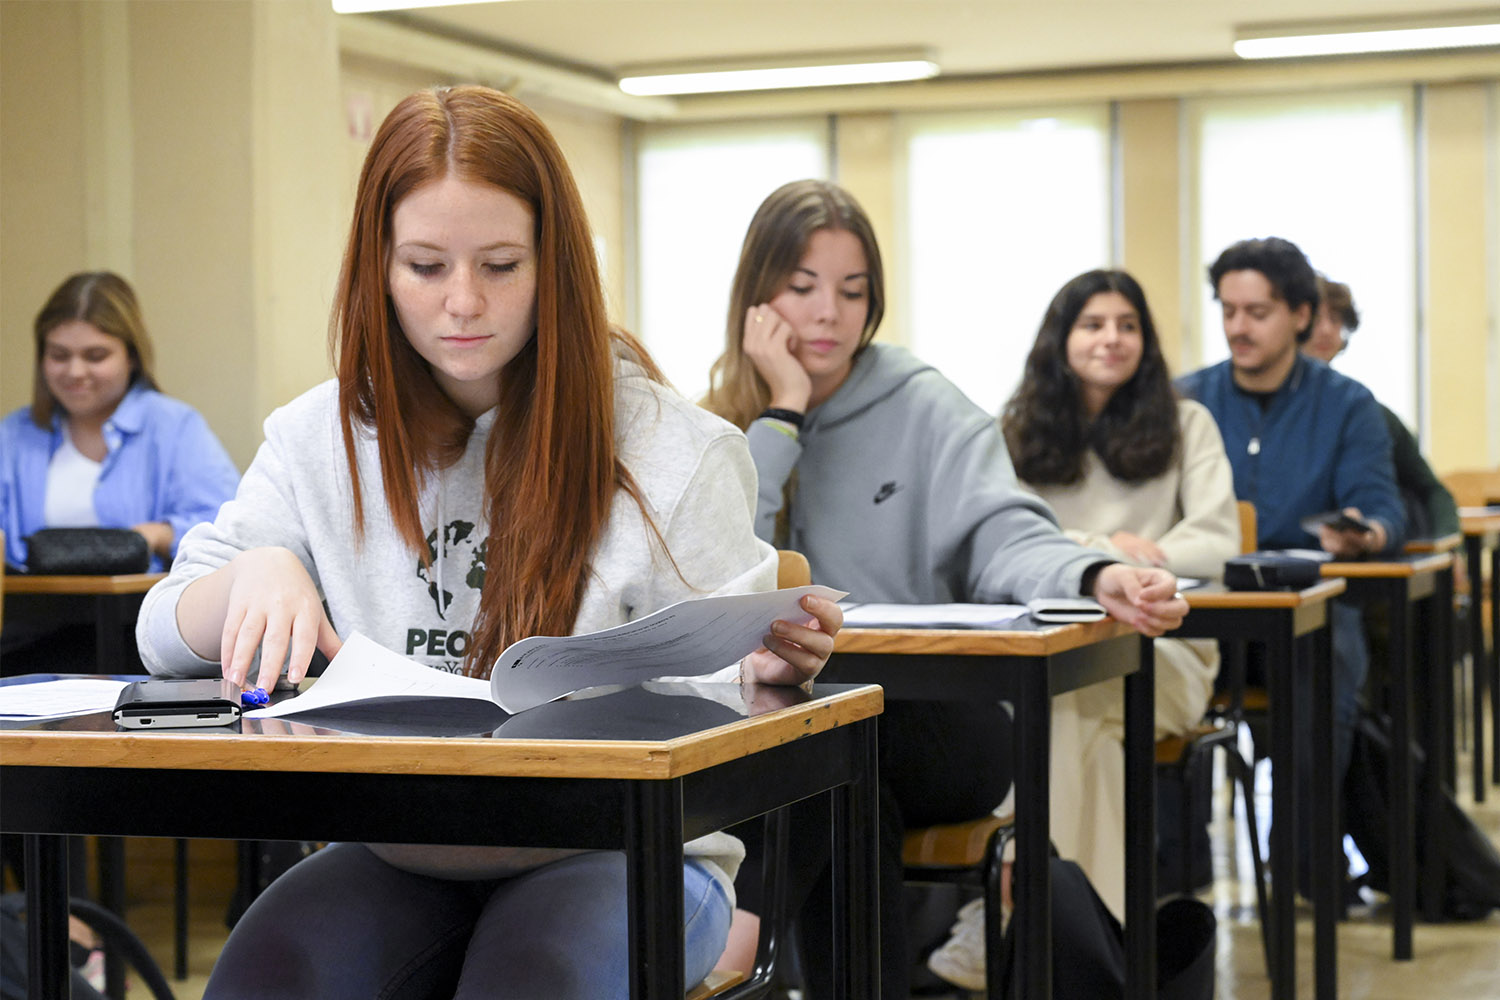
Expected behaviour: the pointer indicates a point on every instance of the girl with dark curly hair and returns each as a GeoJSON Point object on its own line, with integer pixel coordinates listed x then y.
{"type": "Point", "coordinates": [1097, 431]}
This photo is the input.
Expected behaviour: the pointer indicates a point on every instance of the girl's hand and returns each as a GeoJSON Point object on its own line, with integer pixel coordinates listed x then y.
{"type": "Point", "coordinates": [1141, 550]}
{"type": "Point", "coordinates": [770, 344]}
{"type": "Point", "coordinates": [794, 654]}
{"type": "Point", "coordinates": [158, 536]}
{"type": "Point", "coordinates": [1145, 599]}
{"type": "Point", "coordinates": [272, 606]}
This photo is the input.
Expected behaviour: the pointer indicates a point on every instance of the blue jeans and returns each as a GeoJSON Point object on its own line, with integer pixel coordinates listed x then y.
{"type": "Point", "coordinates": [344, 925]}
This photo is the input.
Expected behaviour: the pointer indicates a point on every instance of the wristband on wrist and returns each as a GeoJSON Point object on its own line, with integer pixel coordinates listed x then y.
{"type": "Point", "coordinates": [785, 416]}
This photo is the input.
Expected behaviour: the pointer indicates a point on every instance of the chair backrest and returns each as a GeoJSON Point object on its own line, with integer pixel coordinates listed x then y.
{"type": "Point", "coordinates": [1248, 537]}
{"type": "Point", "coordinates": [1474, 487]}
{"type": "Point", "coordinates": [792, 570]}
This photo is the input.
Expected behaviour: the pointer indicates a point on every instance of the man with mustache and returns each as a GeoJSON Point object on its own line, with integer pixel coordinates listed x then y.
{"type": "Point", "coordinates": [1302, 440]}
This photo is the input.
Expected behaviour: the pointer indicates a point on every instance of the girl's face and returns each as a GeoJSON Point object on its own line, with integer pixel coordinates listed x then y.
{"type": "Point", "coordinates": [826, 303]}
{"type": "Point", "coordinates": [86, 370]}
{"type": "Point", "coordinates": [462, 275]}
{"type": "Point", "coordinates": [1104, 347]}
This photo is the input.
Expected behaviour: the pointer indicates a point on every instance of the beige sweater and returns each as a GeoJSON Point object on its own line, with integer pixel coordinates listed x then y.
{"type": "Point", "coordinates": [1189, 511]}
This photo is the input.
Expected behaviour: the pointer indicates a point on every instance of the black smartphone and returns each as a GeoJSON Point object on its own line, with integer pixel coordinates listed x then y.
{"type": "Point", "coordinates": [178, 703]}
{"type": "Point", "coordinates": [1337, 520]}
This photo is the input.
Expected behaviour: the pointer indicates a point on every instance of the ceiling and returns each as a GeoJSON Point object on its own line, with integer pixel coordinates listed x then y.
{"type": "Point", "coordinates": [966, 37]}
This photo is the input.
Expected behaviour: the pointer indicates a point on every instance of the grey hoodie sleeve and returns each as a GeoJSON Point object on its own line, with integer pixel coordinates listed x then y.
{"type": "Point", "coordinates": [775, 454]}
{"type": "Point", "coordinates": [1004, 541]}
{"type": "Point", "coordinates": [263, 512]}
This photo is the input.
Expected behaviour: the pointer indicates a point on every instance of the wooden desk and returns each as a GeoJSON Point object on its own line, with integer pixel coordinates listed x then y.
{"type": "Point", "coordinates": [638, 770]}
{"type": "Point", "coordinates": [1418, 592]}
{"type": "Point", "coordinates": [1481, 526]}
{"type": "Point", "coordinates": [1285, 622]}
{"type": "Point", "coordinates": [1027, 664]}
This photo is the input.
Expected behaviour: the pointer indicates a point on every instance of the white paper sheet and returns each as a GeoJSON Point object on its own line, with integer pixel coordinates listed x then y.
{"type": "Point", "coordinates": [931, 615]}
{"type": "Point", "coordinates": [364, 669]}
{"type": "Point", "coordinates": [60, 698]}
{"type": "Point", "coordinates": [688, 638]}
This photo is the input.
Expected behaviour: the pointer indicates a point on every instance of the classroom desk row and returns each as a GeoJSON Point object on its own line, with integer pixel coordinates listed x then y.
{"type": "Point", "coordinates": [57, 778]}
{"type": "Point", "coordinates": [1481, 530]}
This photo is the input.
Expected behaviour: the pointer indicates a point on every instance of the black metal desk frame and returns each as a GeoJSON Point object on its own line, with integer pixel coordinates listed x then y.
{"type": "Point", "coordinates": [648, 819]}
{"type": "Point", "coordinates": [1295, 639]}
{"type": "Point", "coordinates": [1028, 683]}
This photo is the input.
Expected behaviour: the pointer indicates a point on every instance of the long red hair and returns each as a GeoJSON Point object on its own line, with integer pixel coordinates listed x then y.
{"type": "Point", "coordinates": [550, 465]}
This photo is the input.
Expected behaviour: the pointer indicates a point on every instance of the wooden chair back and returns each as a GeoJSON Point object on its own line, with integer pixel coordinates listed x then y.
{"type": "Point", "coordinates": [792, 569]}
{"type": "Point", "coordinates": [1248, 538]}
{"type": "Point", "coordinates": [1474, 487]}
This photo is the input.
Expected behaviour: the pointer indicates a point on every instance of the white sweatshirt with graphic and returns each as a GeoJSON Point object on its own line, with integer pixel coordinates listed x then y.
{"type": "Point", "coordinates": [693, 470]}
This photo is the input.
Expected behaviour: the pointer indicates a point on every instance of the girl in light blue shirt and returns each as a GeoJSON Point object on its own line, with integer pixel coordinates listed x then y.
{"type": "Point", "coordinates": [100, 445]}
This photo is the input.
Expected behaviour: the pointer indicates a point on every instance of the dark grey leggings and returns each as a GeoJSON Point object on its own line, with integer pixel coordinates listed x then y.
{"type": "Point", "coordinates": [344, 925]}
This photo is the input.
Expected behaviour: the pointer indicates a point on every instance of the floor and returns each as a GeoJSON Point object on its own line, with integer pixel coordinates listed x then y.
{"type": "Point", "coordinates": [1452, 960]}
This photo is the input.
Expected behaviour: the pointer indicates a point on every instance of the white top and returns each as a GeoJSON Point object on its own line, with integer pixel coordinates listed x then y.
{"type": "Point", "coordinates": [71, 478]}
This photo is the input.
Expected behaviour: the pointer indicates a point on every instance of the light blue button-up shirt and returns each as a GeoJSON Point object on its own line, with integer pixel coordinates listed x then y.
{"type": "Point", "coordinates": [164, 464]}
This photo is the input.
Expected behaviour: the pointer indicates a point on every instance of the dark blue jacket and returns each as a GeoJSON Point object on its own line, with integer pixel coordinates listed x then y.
{"type": "Point", "coordinates": [1321, 445]}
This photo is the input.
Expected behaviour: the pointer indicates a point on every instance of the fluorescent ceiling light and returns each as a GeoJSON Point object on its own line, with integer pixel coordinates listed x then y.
{"type": "Point", "coordinates": [717, 81]}
{"type": "Point", "coordinates": [1288, 43]}
{"type": "Point", "coordinates": [367, 6]}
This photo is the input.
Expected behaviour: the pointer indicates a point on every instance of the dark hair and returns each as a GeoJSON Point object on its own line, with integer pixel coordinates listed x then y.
{"type": "Point", "coordinates": [1292, 278]}
{"type": "Point", "coordinates": [105, 301]}
{"type": "Point", "coordinates": [1045, 424]}
{"type": "Point", "coordinates": [1339, 299]}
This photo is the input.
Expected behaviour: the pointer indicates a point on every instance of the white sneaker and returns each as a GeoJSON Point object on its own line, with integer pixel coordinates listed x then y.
{"type": "Point", "coordinates": [960, 959]}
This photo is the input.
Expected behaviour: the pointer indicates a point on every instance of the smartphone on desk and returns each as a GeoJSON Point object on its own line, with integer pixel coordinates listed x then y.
{"type": "Point", "coordinates": [178, 703]}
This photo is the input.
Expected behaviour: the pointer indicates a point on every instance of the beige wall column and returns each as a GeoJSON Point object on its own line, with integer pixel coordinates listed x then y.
{"type": "Point", "coordinates": [44, 229]}
{"type": "Point", "coordinates": [298, 220]}
{"type": "Point", "coordinates": [1151, 214]}
{"type": "Point", "coordinates": [1461, 336]}
{"type": "Point", "coordinates": [865, 161]}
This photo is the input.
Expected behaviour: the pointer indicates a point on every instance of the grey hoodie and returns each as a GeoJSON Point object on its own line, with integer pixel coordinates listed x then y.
{"type": "Point", "coordinates": [905, 494]}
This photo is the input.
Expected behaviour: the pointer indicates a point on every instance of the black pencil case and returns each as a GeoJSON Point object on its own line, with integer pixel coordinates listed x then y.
{"type": "Point", "coordinates": [1259, 571]}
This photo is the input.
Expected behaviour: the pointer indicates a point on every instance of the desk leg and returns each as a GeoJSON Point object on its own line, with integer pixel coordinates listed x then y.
{"type": "Point", "coordinates": [1477, 656]}
{"type": "Point", "coordinates": [47, 918]}
{"type": "Point", "coordinates": [1328, 856]}
{"type": "Point", "coordinates": [653, 886]}
{"type": "Point", "coordinates": [107, 631]}
{"type": "Point", "coordinates": [1493, 675]}
{"type": "Point", "coordinates": [1032, 876]}
{"type": "Point", "coordinates": [856, 952]}
{"type": "Point", "coordinates": [111, 864]}
{"type": "Point", "coordinates": [1403, 800]}
{"type": "Point", "coordinates": [1435, 620]}
{"type": "Point", "coordinates": [1279, 652]}
{"type": "Point", "coordinates": [1140, 826]}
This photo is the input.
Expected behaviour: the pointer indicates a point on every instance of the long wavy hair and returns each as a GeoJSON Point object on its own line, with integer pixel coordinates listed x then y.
{"type": "Point", "coordinates": [1046, 427]}
{"type": "Point", "coordinates": [551, 469]}
{"type": "Point", "coordinates": [105, 301]}
{"type": "Point", "coordinates": [774, 245]}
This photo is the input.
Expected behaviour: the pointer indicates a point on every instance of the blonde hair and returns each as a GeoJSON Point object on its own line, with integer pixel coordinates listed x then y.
{"type": "Point", "coordinates": [774, 245]}
{"type": "Point", "coordinates": [105, 301]}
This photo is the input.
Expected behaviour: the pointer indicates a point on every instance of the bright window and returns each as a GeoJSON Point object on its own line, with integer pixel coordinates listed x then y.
{"type": "Point", "coordinates": [1333, 173]}
{"type": "Point", "coordinates": [697, 187]}
{"type": "Point", "coordinates": [1002, 208]}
